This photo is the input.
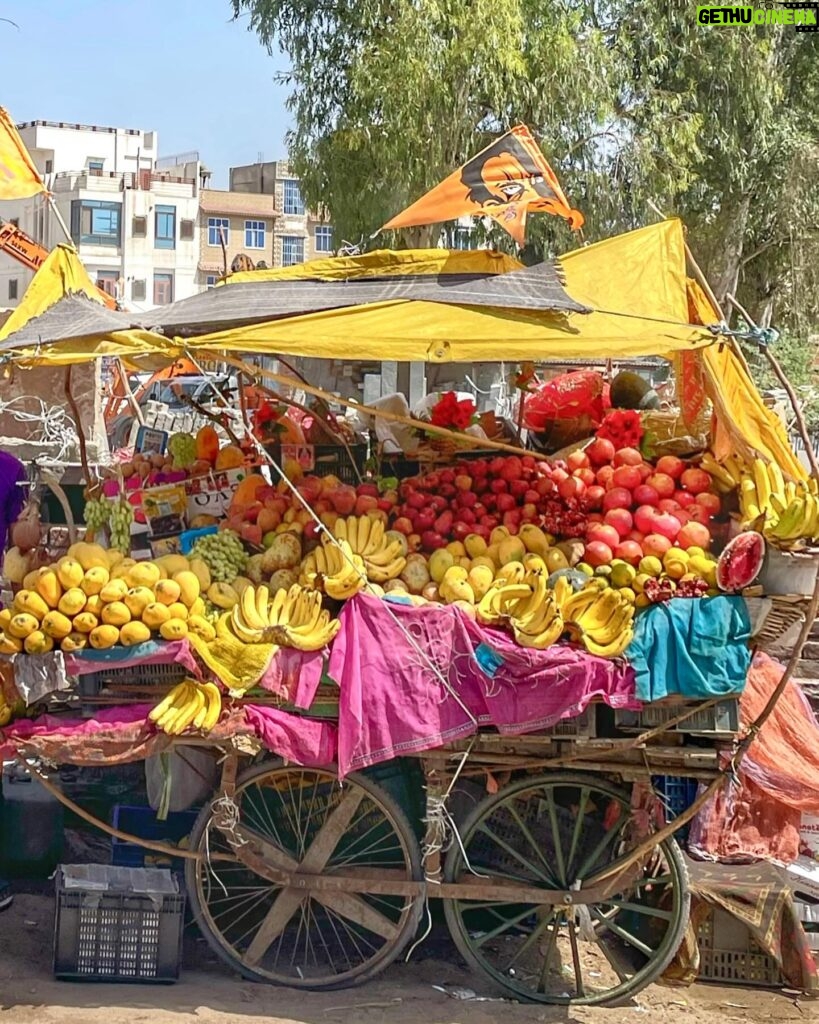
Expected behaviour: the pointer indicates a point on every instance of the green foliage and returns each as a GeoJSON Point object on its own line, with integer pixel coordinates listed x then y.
{"type": "Point", "coordinates": [633, 103]}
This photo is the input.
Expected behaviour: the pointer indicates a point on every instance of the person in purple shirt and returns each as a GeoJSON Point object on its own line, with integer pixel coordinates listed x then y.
{"type": "Point", "coordinates": [12, 498]}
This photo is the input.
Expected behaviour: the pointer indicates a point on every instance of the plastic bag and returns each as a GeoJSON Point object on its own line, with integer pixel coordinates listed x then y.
{"type": "Point", "coordinates": [568, 396]}
{"type": "Point", "coordinates": [176, 780]}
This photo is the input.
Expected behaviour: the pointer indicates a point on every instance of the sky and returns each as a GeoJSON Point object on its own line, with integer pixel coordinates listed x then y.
{"type": "Point", "coordinates": [180, 67]}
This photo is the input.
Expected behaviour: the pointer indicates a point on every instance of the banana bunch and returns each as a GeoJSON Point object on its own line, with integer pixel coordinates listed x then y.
{"type": "Point", "coordinates": [293, 618]}
{"type": "Point", "coordinates": [334, 568]}
{"type": "Point", "coordinates": [798, 520]}
{"type": "Point", "coordinates": [383, 559]}
{"type": "Point", "coordinates": [190, 704]}
{"type": "Point", "coordinates": [599, 619]}
{"type": "Point", "coordinates": [726, 475]}
{"type": "Point", "coordinates": [788, 510]}
{"type": "Point", "coordinates": [529, 607]}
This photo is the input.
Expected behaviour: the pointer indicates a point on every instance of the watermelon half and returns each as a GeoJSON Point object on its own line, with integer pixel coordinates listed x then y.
{"type": "Point", "coordinates": [741, 562]}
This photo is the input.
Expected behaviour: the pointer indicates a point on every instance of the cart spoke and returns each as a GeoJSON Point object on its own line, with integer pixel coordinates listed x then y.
{"type": "Point", "coordinates": [328, 836]}
{"type": "Point", "coordinates": [578, 827]}
{"type": "Point", "coordinates": [641, 908]}
{"type": "Point", "coordinates": [526, 832]}
{"type": "Point", "coordinates": [621, 933]}
{"type": "Point", "coordinates": [561, 864]}
{"type": "Point", "coordinates": [504, 926]}
{"type": "Point", "coordinates": [551, 945]}
{"type": "Point", "coordinates": [517, 856]}
{"type": "Point", "coordinates": [578, 970]}
{"type": "Point", "coordinates": [532, 939]}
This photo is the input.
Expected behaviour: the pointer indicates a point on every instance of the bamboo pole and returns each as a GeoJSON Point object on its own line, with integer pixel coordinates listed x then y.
{"type": "Point", "coordinates": [430, 428]}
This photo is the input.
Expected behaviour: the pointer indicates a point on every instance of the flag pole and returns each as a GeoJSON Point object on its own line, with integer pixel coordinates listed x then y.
{"type": "Point", "coordinates": [56, 211]}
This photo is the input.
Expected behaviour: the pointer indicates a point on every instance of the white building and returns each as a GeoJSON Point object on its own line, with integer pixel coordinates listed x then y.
{"type": "Point", "coordinates": [135, 226]}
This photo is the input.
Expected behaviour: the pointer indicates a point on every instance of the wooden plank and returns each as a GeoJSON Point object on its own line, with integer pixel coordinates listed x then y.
{"type": "Point", "coordinates": [357, 910]}
{"type": "Point", "coordinates": [284, 907]}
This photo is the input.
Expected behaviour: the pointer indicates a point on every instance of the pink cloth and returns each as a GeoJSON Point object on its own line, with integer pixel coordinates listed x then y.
{"type": "Point", "coordinates": [294, 675]}
{"type": "Point", "coordinates": [298, 740]}
{"type": "Point", "coordinates": [392, 700]}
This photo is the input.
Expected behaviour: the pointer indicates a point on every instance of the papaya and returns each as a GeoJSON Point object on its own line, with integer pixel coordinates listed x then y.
{"type": "Point", "coordinates": [189, 587]}
{"type": "Point", "coordinates": [245, 493]}
{"type": "Point", "coordinates": [5, 618]}
{"type": "Point", "coordinates": [49, 589]}
{"type": "Point", "coordinates": [85, 622]}
{"type": "Point", "coordinates": [167, 591]}
{"type": "Point", "coordinates": [72, 602]}
{"type": "Point", "coordinates": [73, 642]}
{"type": "Point", "coordinates": [155, 614]}
{"type": "Point", "coordinates": [10, 644]}
{"type": "Point", "coordinates": [94, 580]}
{"type": "Point", "coordinates": [90, 556]}
{"type": "Point", "coordinates": [143, 574]}
{"type": "Point", "coordinates": [115, 614]}
{"type": "Point", "coordinates": [69, 573]}
{"type": "Point", "coordinates": [93, 606]}
{"type": "Point", "coordinates": [30, 601]}
{"type": "Point", "coordinates": [230, 457]}
{"type": "Point", "coordinates": [207, 444]}
{"type": "Point", "coordinates": [137, 600]}
{"type": "Point", "coordinates": [103, 637]}
{"type": "Point", "coordinates": [114, 590]}
{"type": "Point", "coordinates": [21, 625]}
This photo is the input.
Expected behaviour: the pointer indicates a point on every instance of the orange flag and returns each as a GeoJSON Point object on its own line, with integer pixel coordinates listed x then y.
{"type": "Point", "coordinates": [18, 175]}
{"type": "Point", "coordinates": [506, 181]}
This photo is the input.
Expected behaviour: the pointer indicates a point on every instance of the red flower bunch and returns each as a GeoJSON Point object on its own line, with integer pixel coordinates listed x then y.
{"type": "Point", "coordinates": [623, 427]}
{"type": "Point", "coordinates": [266, 420]}
{"type": "Point", "coordinates": [453, 414]}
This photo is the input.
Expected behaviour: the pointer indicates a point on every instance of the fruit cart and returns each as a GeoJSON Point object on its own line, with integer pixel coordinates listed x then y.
{"type": "Point", "coordinates": [562, 883]}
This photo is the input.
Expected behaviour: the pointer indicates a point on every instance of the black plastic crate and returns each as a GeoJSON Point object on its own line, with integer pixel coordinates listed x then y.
{"type": "Point", "coordinates": [328, 459]}
{"type": "Point", "coordinates": [143, 822]}
{"type": "Point", "coordinates": [117, 924]}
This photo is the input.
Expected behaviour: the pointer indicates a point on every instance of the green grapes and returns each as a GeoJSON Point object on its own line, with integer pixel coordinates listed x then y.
{"type": "Point", "coordinates": [223, 553]}
{"type": "Point", "coordinates": [122, 515]}
{"type": "Point", "coordinates": [183, 449]}
{"type": "Point", "coordinates": [97, 513]}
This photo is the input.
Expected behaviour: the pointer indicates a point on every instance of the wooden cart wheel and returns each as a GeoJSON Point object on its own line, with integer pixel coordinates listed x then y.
{"type": "Point", "coordinates": [555, 832]}
{"type": "Point", "coordinates": [286, 935]}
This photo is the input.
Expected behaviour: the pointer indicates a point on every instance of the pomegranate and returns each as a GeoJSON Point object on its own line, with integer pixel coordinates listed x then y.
{"type": "Point", "coordinates": [597, 553]}
{"type": "Point", "coordinates": [627, 476]}
{"type": "Point", "coordinates": [578, 460]}
{"type": "Point", "coordinates": [620, 519]}
{"type": "Point", "coordinates": [603, 533]}
{"type": "Point", "coordinates": [571, 488]}
{"type": "Point", "coordinates": [668, 505]}
{"type": "Point", "coordinates": [671, 465]}
{"type": "Point", "coordinates": [600, 451]}
{"type": "Point", "coordinates": [656, 544]}
{"type": "Point", "coordinates": [637, 535]}
{"type": "Point", "coordinates": [694, 535]}
{"type": "Point", "coordinates": [698, 514]}
{"type": "Point", "coordinates": [662, 483]}
{"type": "Point", "coordinates": [710, 502]}
{"type": "Point", "coordinates": [630, 551]}
{"type": "Point", "coordinates": [645, 494]}
{"type": "Point", "coordinates": [604, 476]}
{"type": "Point", "coordinates": [593, 498]}
{"type": "Point", "coordinates": [512, 468]}
{"type": "Point", "coordinates": [696, 481]}
{"type": "Point", "coordinates": [683, 498]}
{"type": "Point", "coordinates": [644, 518]}
{"type": "Point", "coordinates": [645, 471]}
{"type": "Point", "coordinates": [587, 475]}
{"type": "Point", "coordinates": [617, 497]}
{"type": "Point", "coordinates": [666, 524]}
{"type": "Point", "coordinates": [627, 457]}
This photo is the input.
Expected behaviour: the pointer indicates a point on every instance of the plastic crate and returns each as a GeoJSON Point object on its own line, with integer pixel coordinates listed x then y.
{"type": "Point", "coordinates": [114, 678]}
{"type": "Point", "coordinates": [677, 794]}
{"type": "Point", "coordinates": [328, 459]}
{"type": "Point", "coordinates": [117, 924]}
{"type": "Point", "coordinates": [580, 727]}
{"type": "Point", "coordinates": [729, 954]}
{"type": "Point", "coordinates": [143, 822]}
{"type": "Point", "coordinates": [720, 719]}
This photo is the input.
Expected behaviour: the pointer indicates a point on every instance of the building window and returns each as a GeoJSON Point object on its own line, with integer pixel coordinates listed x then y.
{"type": "Point", "coordinates": [165, 227]}
{"type": "Point", "coordinates": [94, 222]}
{"type": "Point", "coordinates": [12, 287]}
{"type": "Point", "coordinates": [324, 238]}
{"type": "Point", "coordinates": [293, 202]}
{"type": "Point", "coordinates": [49, 166]}
{"type": "Point", "coordinates": [108, 281]}
{"type": "Point", "coordinates": [218, 230]}
{"type": "Point", "coordinates": [95, 167]}
{"type": "Point", "coordinates": [211, 280]}
{"type": "Point", "coordinates": [138, 290]}
{"type": "Point", "coordinates": [186, 231]}
{"type": "Point", "coordinates": [163, 289]}
{"type": "Point", "coordinates": [254, 234]}
{"type": "Point", "coordinates": [292, 250]}
{"type": "Point", "coordinates": [139, 227]}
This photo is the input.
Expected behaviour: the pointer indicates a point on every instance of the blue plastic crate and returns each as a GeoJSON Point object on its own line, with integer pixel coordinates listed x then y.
{"type": "Point", "coordinates": [677, 794]}
{"type": "Point", "coordinates": [142, 822]}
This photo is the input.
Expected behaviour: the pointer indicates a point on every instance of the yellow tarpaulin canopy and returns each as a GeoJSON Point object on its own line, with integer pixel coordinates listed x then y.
{"type": "Point", "coordinates": [62, 275]}
{"type": "Point", "coordinates": [635, 283]}
{"type": "Point", "coordinates": [386, 263]}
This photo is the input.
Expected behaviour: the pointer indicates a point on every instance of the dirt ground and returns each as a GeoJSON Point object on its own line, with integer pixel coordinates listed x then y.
{"type": "Point", "coordinates": [210, 994]}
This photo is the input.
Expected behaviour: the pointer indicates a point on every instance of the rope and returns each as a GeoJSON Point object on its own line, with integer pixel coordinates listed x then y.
{"type": "Point", "coordinates": [763, 337]}
{"type": "Point", "coordinates": [56, 427]}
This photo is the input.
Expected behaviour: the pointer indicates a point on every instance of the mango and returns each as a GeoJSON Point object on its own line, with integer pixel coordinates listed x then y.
{"type": "Point", "coordinates": [116, 613]}
{"type": "Point", "coordinates": [69, 573]}
{"type": "Point", "coordinates": [103, 637]}
{"type": "Point", "coordinates": [57, 625]}
{"type": "Point", "coordinates": [173, 629]}
{"type": "Point", "coordinates": [30, 578]}
{"type": "Point", "coordinates": [114, 590]}
{"type": "Point", "coordinates": [72, 602]}
{"type": "Point", "coordinates": [85, 622]}
{"type": "Point", "coordinates": [93, 605]}
{"type": "Point", "coordinates": [134, 633]}
{"type": "Point", "coordinates": [534, 539]}
{"type": "Point", "coordinates": [114, 558]}
{"type": "Point", "coordinates": [201, 627]}
{"type": "Point", "coordinates": [172, 564]}
{"type": "Point", "coordinates": [480, 579]}
{"type": "Point", "coordinates": [439, 562]}
{"type": "Point", "coordinates": [167, 591]}
{"type": "Point", "coordinates": [90, 556]}
{"type": "Point", "coordinates": [30, 601]}
{"type": "Point", "coordinates": [189, 587]}
{"type": "Point", "coordinates": [475, 545]}
{"type": "Point", "coordinates": [143, 574]}
{"type": "Point", "coordinates": [178, 610]}
{"type": "Point", "coordinates": [155, 614]}
{"type": "Point", "coordinates": [38, 643]}
{"type": "Point", "coordinates": [21, 625]}
{"type": "Point", "coordinates": [49, 589]}
{"type": "Point", "coordinates": [121, 569]}
{"type": "Point", "coordinates": [5, 618]}
{"type": "Point", "coordinates": [137, 600]}
{"type": "Point", "coordinates": [94, 580]}
{"type": "Point", "coordinates": [73, 642]}
{"type": "Point", "coordinates": [201, 571]}
{"type": "Point", "coordinates": [10, 644]}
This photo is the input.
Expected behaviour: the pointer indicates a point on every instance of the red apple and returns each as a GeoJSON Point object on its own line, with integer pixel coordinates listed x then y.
{"type": "Point", "coordinates": [365, 503]}
{"type": "Point", "coordinates": [511, 520]}
{"type": "Point", "coordinates": [627, 457]}
{"type": "Point", "coordinates": [696, 481]}
{"type": "Point", "coordinates": [710, 502]}
{"type": "Point", "coordinates": [343, 500]}
{"type": "Point", "coordinates": [423, 521]}
{"type": "Point", "coordinates": [466, 515]}
{"type": "Point", "coordinates": [656, 544]}
{"type": "Point", "coordinates": [617, 497]}
{"type": "Point", "coordinates": [368, 488]}
{"type": "Point", "coordinates": [597, 553]}
{"type": "Point", "coordinates": [431, 541]}
{"type": "Point", "coordinates": [518, 487]}
{"type": "Point", "coordinates": [559, 475]}
{"type": "Point", "coordinates": [403, 525]}
{"type": "Point", "coordinates": [645, 494]}
{"type": "Point", "coordinates": [604, 533]}
{"type": "Point", "coordinates": [671, 465]}
{"type": "Point", "coordinates": [627, 476]}
{"type": "Point", "coordinates": [496, 465]}
{"type": "Point", "coordinates": [443, 524]}
{"type": "Point", "coordinates": [600, 451]}
{"type": "Point", "coordinates": [447, 476]}
{"type": "Point", "coordinates": [416, 499]}
{"type": "Point", "coordinates": [694, 535]}
{"type": "Point", "coordinates": [620, 519]}
{"type": "Point", "coordinates": [630, 551]}
{"type": "Point", "coordinates": [499, 487]}
{"type": "Point", "coordinates": [531, 496]}
{"type": "Point", "coordinates": [460, 531]}
{"type": "Point", "coordinates": [662, 483]}
{"type": "Point", "coordinates": [666, 524]}
{"type": "Point", "coordinates": [385, 504]}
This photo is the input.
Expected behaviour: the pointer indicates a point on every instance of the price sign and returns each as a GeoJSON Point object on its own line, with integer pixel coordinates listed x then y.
{"type": "Point", "coordinates": [211, 495]}
{"type": "Point", "coordinates": [150, 440]}
{"type": "Point", "coordinates": [304, 454]}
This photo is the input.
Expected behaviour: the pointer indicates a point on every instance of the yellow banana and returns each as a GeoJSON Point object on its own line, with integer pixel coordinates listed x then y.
{"type": "Point", "coordinates": [762, 484]}
{"type": "Point", "coordinates": [340, 529]}
{"type": "Point", "coordinates": [165, 704]}
{"type": "Point", "coordinates": [381, 574]}
{"type": "Point", "coordinates": [246, 608]}
{"type": "Point", "coordinates": [191, 709]}
{"type": "Point", "coordinates": [363, 531]}
{"type": "Point", "coordinates": [375, 541]}
{"type": "Point", "coordinates": [777, 481]}
{"type": "Point", "coordinates": [386, 554]}
{"type": "Point", "coordinates": [213, 698]}
{"type": "Point", "coordinates": [180, 702]}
